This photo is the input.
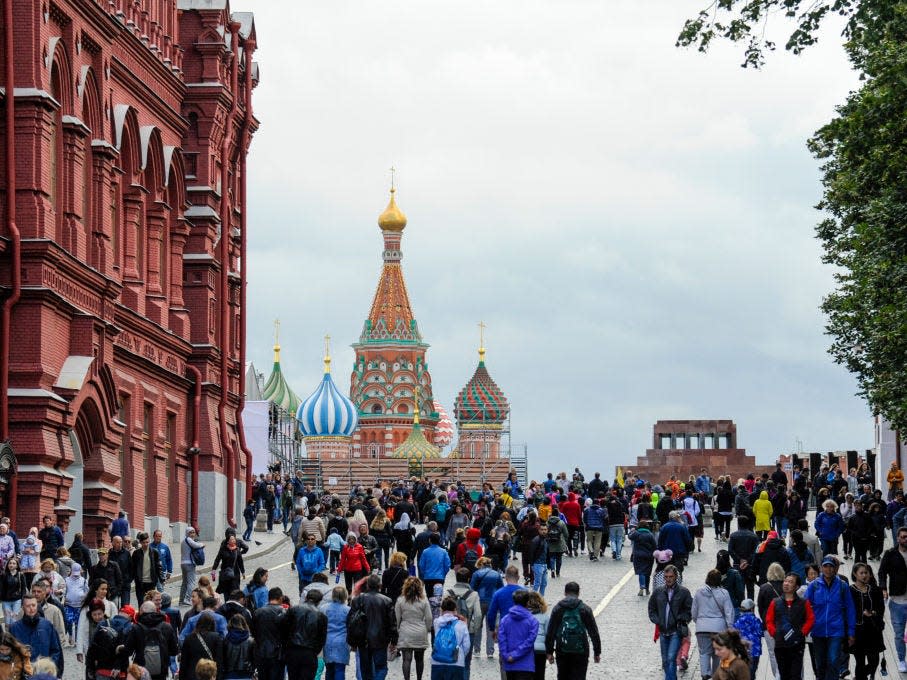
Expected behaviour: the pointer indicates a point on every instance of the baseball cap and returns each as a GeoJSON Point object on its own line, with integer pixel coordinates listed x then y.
{"type": "Point", "coordinates": [747, 605]}
{"type": "Point", "coordinates": [830, 559]}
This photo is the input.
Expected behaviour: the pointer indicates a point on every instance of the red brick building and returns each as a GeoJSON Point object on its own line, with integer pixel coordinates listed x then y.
{"type": "Point", "coordinates": [122, 253]}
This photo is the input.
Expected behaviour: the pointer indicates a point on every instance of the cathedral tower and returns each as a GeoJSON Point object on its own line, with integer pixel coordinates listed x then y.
{"type": "Point", "coordinates": [390, 357]}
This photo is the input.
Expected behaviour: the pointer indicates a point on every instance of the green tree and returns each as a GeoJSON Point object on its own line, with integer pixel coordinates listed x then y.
{"type": "Point", "coordinates": [863, 151]}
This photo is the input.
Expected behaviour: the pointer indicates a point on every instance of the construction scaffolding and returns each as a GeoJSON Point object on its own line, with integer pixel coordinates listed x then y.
{"type": "Point", "coordinates": [284, 439]}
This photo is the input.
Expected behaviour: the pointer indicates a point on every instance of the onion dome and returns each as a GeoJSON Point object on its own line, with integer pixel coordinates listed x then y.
{"type": "Point", "coordinates": [276, 390]}
{"type": "Point", "coordinates": [327, 412]}
{"type": "Point", "coordinates": [444, 430]}
{"type": "Point", "coordinates": [392, 219]}
{"type": "Point", "coordinates": [416, 446]}
{"type": "Point", "coordinates": [481, 400]}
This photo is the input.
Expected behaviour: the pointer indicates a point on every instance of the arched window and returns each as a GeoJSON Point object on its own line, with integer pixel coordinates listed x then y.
{"type": "Point", "coordinates": [55, 152]}
{"type": "Point", "coordinates": [377, 409]}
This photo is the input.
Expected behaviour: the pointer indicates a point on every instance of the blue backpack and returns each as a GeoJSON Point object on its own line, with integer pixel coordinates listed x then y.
{"type": "Point", "coordinates": [446, 649]}
{"type": "Point", "coordinates": [441, 511]}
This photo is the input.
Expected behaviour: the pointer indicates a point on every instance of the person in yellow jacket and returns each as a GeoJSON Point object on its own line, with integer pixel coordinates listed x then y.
{"type": "Point", "coordinates": [762, 508]}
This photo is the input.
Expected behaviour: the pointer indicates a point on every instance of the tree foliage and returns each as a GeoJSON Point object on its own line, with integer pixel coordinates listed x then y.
{"type": "Point", "coordinates": [863, 151]}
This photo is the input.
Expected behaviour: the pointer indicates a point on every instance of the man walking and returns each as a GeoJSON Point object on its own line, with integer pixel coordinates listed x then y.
{"type": "Point", "coordinates": [187, 565]}
{"type": "Point", "coordinates": [893, 582]}
{"type": "Point", "coordinates": [120, 555]}
{"type": "Point", "coordinates": [433, 564]}
{"type": "Point", "coordinates": [305, 632]}
{"type": "Point", "coordinates": [267, 626]}
{"type": "Point", "coordinates": [671, 609]}
{"type": "Point", "coordinates": [616, 517]}
{"type": "Point", "coordinates": [595, 519]}
{"type": "Point", "coordinates": [835, 618]}
{"type": "Point", "coordinates": [381, 629]}
{"type": "Point", "coordinates": [163, 551]}
{"type": "Point", "coordinates": [570, 628]}
{"type": "Point", "coordinates": [146, 567]}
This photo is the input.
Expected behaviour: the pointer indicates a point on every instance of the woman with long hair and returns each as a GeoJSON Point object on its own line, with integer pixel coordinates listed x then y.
{"type": "Point", "coordinates": [869, 605]}
{"type": "Point", "coordinates": [12, 588]}
{"type": "Point", "coordinates": [382, 529]}
{"type": "Point", "coordinates": [414, 623]}
{"type": "Point", "coordinates": [355, 520]}
{"type": "Point", "coordinates": [394, 576]}
{"type": "Point", "coordinates": [257, 588]}
{"type": "Point", "coordinates": [733, 656]}
{"type": "Point", "coordinates": [207, 588]}
{"type": "Point", "coordinates": [98, 590]}
{"type": "Point", "coordinates": [203, 644]}
{"type": "Point", "coordinates": [15, 658]}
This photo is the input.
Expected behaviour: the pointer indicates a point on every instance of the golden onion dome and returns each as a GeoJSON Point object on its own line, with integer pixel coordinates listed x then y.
{"type": "Point", "coordinates": [392, 219]}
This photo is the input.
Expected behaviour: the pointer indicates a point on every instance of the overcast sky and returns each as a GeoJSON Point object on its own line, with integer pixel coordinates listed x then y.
{"type": "Point", "coordinates": [632, 221]}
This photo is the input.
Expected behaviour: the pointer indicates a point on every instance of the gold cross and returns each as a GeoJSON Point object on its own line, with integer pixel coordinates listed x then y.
{"type": "Point", "coordinates": [481, 333]}
{"type": "Point", "coordinates": [276, 331]}
{"type": "Point", "coordinates": [327, 345]}
{"type": "Point", "coordinates": [393, 173]}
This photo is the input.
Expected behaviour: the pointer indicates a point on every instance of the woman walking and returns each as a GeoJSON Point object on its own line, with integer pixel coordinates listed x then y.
{"type": "Point", "coordinates": [238, 650]}
{"type": "Point", "coordinates": [539, 609]}
{"type": "Point", "coordinates": [336, 651]}
{"type": "Point", "coordinates": [12, 588]}
{"type": "Point", "coordinates": [383, 531]}
{"type": "Point", "coordinates": [414, 623]}
{"type": "Point", "coordinates": [404, 536]}
{"type": "Point", "coordinates": [869, 605]}
{"type": "Point", "coordinates": [232, 569]}
{"type": "Point", "coordinates": [642, 557]}
{"type": "Point", "coordinates": [788, 621]}
{"type": "Point", "coordinates": [713, 612]}
{"type": "Point", "coordinates": [353, 562]}
{"type": "Point", "coordinates": [733, 657]}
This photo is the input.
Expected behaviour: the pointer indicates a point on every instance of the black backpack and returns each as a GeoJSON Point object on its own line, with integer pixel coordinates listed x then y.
{"type": "Point", "coordinates": [357, 627]}
{"type": "Point", "coordinates": [154, 651]}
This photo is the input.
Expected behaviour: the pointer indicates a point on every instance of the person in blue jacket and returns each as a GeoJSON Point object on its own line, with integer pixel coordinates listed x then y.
{"type": "Point", "coordinates": [516, 637]}
{"type": "Point", "coordinates": [486, 581]}
{"type": "Point", "coordinates": [502, 600]}
{"type": "Point", "coordinates": [38, 634]}
{"type": "Point", "coordinates": [675, 537]}
{"type": "Point", "coordinates": [120, 526]}
{"type": "Point", "coordinates": [309, 561]}
{"type": "Point", "coordinates": [829, 527]}
{"type": "Point", "coordinates": [434, 563]}
{"type": "Point", "coordinates": [163, 550]}
{"type": "Point", "coordinates": [835, 618]}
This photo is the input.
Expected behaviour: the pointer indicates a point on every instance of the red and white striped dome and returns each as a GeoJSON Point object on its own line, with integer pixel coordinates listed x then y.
{"type": "Point", "coordinates": [444, 430]}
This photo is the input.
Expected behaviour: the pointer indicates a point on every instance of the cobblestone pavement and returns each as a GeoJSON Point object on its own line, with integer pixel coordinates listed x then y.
{"type": "Point", "coordinates": [608, 586]}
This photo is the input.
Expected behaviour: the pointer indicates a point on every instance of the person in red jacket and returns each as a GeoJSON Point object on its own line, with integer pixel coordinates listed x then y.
{"type": "Point", "coordinates": [788, 620]}
{"type": "Point", "coordinates": [469, 551]}
{"type": "Point", "coordinates": [573, 514]}
{"type": "Point", "coordinates": [353, 562]}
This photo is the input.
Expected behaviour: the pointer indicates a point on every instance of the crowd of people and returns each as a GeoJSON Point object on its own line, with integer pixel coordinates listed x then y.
{"type": "Point", "coordinates": [418, 569]}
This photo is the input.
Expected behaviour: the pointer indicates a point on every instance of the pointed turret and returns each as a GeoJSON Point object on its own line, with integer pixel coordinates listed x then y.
{"type": "Point", "coordinates": [276, 390]}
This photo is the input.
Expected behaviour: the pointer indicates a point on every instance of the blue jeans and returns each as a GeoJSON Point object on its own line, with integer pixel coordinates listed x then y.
{"type": "Point", "coordinates": [617, 539]}
{"type": "Point", "coordinates": [643, 581]}
{"type": "Point", "coordinates": [827, 651]}
{"type": "Point", "coordinates": [783, 531]}
{"type": "Point", "coordinates": [334, 671]}
{"type": "Point", "coordinates": [670, 645]}
{"type": "Point", "coordinates": [439, 672]}
{"type": "Point", "coordinates": [898, 618]}
{"type": "Point", "coordinates": [539, 577]}
{"type": "Point", "coordinates": [247, 534]}
{"type": "Point", "coordinates": [374, 663]}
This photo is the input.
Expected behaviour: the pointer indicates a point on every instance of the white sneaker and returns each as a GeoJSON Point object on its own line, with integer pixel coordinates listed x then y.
{"type": "Point", "coordinates": [902, 666]}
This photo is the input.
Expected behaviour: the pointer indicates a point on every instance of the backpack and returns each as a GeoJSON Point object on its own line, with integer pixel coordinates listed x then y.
{"type": "Point", "coordinates": [154, 661]}
{"type": "Point", "coordinates": [462, 606]}
{"type": "Point", "coordinates": [196, 554]}
{"type": "Point", "coordinates": [571, 636]}
{"type": "Point", "coordinates": [446, 649]}
{"type": "Point", "coordinates": [357, 627]}
{"type": "Point", "coordinates": [440, 512]}
{"type": "Point", "coordinates": [470, 559]}
{"type": "Point", "coordinates": [105, 642]}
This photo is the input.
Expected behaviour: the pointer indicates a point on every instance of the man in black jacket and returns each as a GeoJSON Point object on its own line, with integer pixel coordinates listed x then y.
{"type": "Point", "coordinates": [146, 567]}
{"type": "Point", "coordinates": [893, 582]}
{"type": "Point", "coordinates": [671, 609]}
{"type": "Point", "coordinates": [742, 546]}
{"type": "Point", "coordinates": [110, 572]}
{"type": "Point", "coordinates": [572, 663]}
{"type": "Point", "coordinates": [266, 629]}
{"type": "Point", "coordinates": [119, 554]}
{"type": "Point", "coordinates": [80, 553]}
{"type": "Point", "coordinates": [305, 630]}
{"type": "Point", "coordinates": [381, 629]}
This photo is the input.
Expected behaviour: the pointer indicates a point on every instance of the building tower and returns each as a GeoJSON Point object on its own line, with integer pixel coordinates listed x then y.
{"type": "Point", "coordinates": [327, 419]}
{"type": "Point", "coordinates": [416, 448]}
{"type": "Point", "coordinates": [390, 356]}
{"type": "Point", "coordinates": [276, 389]}
{"type": "Point", "coordinates": [481, 409]}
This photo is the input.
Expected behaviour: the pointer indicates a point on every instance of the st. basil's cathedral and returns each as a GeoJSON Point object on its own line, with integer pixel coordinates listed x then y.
{"type": "Point", "coordinates": [392, 424]}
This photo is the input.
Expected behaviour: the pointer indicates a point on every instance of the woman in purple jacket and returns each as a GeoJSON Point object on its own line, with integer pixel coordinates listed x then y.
{"type": "Point", "coordinates": [516, 639]}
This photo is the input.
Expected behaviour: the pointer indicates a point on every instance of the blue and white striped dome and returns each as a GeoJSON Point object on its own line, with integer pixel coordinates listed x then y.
{"type": "Point", "coordinates": [327, 413]}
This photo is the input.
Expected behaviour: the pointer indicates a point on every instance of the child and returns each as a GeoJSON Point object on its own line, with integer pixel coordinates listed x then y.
{"type": "Point", "coordinates": [334, 545]}
{"type": "Point", "coordinates": [750, 629]}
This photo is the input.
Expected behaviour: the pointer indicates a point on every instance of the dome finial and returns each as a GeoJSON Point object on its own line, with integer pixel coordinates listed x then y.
{"type": "Point", "coordinates": [327, 353]}
{"type": "Point", "coordinates": [481, 342]}
{"type": "Point", "coordinates": [392, 219]}
{"type": "Point", "coordinates": [276, 341]}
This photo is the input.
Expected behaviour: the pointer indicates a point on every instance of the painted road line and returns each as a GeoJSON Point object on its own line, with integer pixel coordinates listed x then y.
{"type": "Point", "coordinates": [606, 600]}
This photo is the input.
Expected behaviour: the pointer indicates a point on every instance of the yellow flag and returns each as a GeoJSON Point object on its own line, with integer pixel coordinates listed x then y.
{"type": "Point", "coordinates": [619, 479]}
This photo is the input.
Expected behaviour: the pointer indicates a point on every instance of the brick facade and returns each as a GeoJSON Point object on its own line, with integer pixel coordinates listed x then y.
{"type": "Point", "coordinates": [132, 126]}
